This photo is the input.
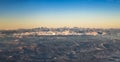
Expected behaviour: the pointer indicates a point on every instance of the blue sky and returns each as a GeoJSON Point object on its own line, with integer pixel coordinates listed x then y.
{"type": "Point", "coordinates": [80, 13]}
{"type": "Point", "coordinates": [16, 6]}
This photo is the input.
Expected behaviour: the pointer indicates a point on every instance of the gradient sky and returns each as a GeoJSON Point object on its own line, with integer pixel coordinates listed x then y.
{"type": "Point", "coordinates": [15, 14]}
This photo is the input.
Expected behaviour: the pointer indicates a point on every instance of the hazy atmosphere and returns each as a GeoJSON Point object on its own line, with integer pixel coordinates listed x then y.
{"type": "Point", "coordinates": [15, 14]}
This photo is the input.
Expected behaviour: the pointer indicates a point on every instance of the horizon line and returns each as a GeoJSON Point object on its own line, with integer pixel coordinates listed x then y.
{"type": "Point", "coordinates": [60, 27]}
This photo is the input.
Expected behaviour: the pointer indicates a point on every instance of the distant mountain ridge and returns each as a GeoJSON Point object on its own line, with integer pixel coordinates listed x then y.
{"type": "Point", "coordinates": [60, 31]}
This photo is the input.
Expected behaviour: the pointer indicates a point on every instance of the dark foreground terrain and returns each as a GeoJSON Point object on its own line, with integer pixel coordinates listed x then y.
{"type": "Point", "coordinates": [59, 48]}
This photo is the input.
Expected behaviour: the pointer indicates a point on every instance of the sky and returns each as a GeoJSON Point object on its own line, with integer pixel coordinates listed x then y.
{"type": "Point", "coordinates": [16, 14]}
